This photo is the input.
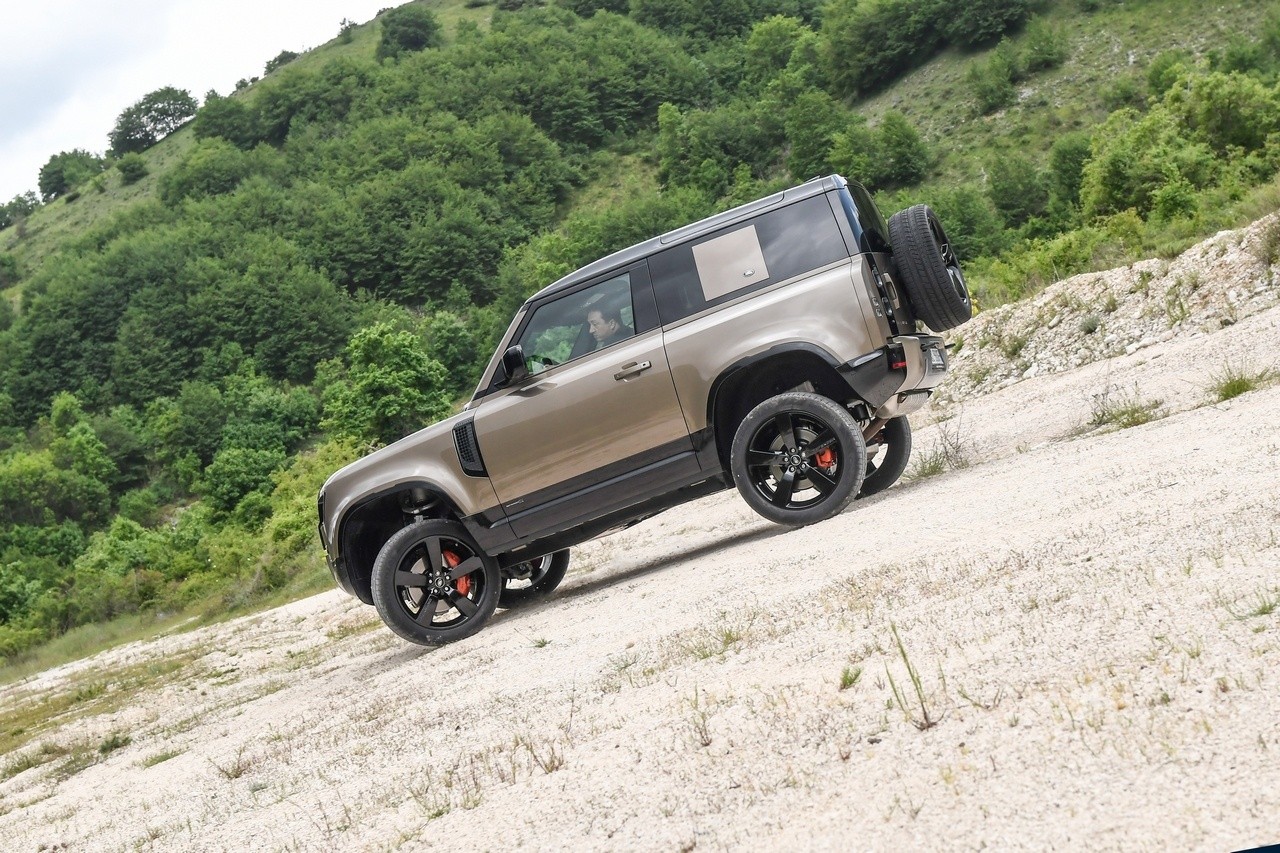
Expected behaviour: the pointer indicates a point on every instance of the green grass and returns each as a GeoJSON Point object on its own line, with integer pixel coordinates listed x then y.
{"type": "Point", "coordinates": [1235, 379]}
{"type": "Point", "coordinates": [1121, 409]}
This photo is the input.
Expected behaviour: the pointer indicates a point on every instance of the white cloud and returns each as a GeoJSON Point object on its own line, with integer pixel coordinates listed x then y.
{"type": "Point", "coordinates": [69, 67]}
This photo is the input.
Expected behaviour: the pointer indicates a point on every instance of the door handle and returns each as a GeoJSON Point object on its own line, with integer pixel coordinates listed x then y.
{"type": "Point", "coordinates": [632, 369]}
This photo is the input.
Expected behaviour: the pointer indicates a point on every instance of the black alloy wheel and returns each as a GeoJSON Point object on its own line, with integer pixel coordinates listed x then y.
{"type": "Point", "coordinates": [533, 580]}
{"type": "Point", "coordinates": [887, 454]}
{"type": "Point", "coordinates": [432, 584]}
{"type": "Point", "coordinates": [798, 458]}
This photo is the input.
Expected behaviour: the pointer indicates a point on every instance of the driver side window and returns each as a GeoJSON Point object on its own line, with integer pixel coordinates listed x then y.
{"type": "Point", "coordinates": [582, 322]}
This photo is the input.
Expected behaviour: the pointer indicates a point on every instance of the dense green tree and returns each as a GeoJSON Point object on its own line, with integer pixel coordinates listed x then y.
{"type": "Point", "coordinates": [237, 471]}
{"type": "Point", "coordinates": [974, 23]}
{"type": "Point", "coordinates": [18, 208]}
{"type": "Point", "coordinates": [280, 60]}
{"type": "Point", "coordinates": [406, 29]}
{"type": "Point", "coordinates": [1227, 110]}
{"type": "Point", "coordinates": [10, 273]}
{"type": "Point", "coordinates": [867, 43]}
{"type": "Point", "coordinates": [152, 118]}
{"type": "Point", "coordinates": [811, 121]}
{"type": "Point", "coordinates": [132, 168]}
{"type": "Point", "coordinates": [904, 158]}
{"type": "Point", "coordinates": [392, 387]}
{"type": "Point", "coordinates": [1016, 187]}
{"type": "Point", "coordinates": [228, 118]}
{"type": "Point", "coordinates": [1066, 166]}
{"type": "Point", "coordinates": [67, 170]}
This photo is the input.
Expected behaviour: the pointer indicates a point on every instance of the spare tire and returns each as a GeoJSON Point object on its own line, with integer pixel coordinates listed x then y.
{"type": "Point", "coordinates": [928, 269]}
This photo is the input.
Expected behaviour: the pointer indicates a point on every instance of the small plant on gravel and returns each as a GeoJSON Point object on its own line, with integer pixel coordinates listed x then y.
{"type": "Point", "coordinates": [1112, 407]}
{"type": "Point", "coordinates": [927, 719]}
{"type": "Point", "coordinates": [850, 677]}
{"type": "Point", "coordinates": [1267, 247]}
{"type": "Point", "coordinates": [1109, 305]}
{"type": "Point", "coordinates": [1089, 324]}
{"type": "Point", "coordinates": [160, 757]}
{"type": "Point", "coordinates": [1013, 345]}
{"type": "Point", "coordinates": [236, 768]}
{"type": "Point", "coordinates": [1235, 379]}
{"type": "Point", "coordinates": [700, 721]}
{"type": "Point", "coordinates": [20, 764]}
{"type": "Point", "coordinates": [948, 453]}
{"type": "Point", "coordinates": [112, 742]}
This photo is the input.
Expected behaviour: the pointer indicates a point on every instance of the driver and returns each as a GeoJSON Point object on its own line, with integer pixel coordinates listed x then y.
{"type": "Point", "coordinates": [606, 326]}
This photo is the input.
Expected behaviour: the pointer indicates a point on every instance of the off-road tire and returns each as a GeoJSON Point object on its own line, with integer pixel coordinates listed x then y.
{"type": "Point", "coordinates": [542, 584]}
{"type": "Point", "coordinates": [776, 452]}
{"type": "Point", "coordinates": [897, 450]}
{"type": "Point", "coordinates": [928, 269]}
{"type": "Point", "coordinates": [395, 578]}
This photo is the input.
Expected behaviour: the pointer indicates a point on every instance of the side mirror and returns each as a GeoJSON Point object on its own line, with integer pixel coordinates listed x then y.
{"type": "Point", "coordinates": [513, 368]}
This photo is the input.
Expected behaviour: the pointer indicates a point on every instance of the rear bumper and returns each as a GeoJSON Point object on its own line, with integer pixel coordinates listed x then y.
{"type": "Point", "coordinates": [897, 378]}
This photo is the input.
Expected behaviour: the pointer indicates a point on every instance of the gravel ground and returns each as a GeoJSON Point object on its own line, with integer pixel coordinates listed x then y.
{"type": "Point", "coordinates": [1067, 637]}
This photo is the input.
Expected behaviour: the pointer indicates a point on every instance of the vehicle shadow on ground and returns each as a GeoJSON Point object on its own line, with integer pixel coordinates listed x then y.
{"type": "Point", "coordinates": [650, 567]}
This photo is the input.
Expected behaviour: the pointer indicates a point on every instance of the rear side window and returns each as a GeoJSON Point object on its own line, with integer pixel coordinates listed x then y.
{"type": "Point", "coordinates": [745, 257]}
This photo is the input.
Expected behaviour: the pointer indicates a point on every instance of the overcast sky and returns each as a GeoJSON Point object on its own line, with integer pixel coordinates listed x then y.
{"type": "Point", "coordinates": [68, 68]}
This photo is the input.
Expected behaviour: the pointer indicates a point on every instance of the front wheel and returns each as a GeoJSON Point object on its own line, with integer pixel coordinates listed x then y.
{"type": "Point", "coordinates": [432, 584]}
{"type": "Point", "coordinates": [798, 458]}
{"type": "Point", "coordinates": [533, 580]}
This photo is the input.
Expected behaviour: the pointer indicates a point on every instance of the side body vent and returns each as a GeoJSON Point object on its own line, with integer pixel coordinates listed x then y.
{"type": "Point", "coordinates": [464, 440]}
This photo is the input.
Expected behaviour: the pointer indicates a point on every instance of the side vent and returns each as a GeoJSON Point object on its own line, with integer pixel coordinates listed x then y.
{"type": "Point", "coordinates": [464, 440]}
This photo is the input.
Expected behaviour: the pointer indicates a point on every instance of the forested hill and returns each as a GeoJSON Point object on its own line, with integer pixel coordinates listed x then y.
{"type": "Point", "coordinates": [198, 329]}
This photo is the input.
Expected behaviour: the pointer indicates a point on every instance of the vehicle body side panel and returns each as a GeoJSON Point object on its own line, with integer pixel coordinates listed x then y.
{"type": "Point", "coordinates": [822, 309]}
{"type": "Point", "coordinates": [577, 420]}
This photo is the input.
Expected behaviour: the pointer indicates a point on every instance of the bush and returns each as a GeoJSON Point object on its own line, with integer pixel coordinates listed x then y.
{"type": "Point", "coordinates": [991, 84]}
{"type": "Point", "coordinates": [407, 29]}
{"type": "Point", "coordinates": [980, 22]}
{"type": "Point", "coordinates": [1046, 45]}
{"type": "Point", "coordinates": [1016, 188]}
{"type": "Point", "coordinates": [1165, 70]}
{"type": "Point", "coordinates": [281, 59]}
{"type": "Point", "coordinates": [132, 168]}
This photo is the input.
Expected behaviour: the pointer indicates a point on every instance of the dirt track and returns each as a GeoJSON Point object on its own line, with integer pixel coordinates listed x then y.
{"type": "Point", "coordinates": [1093, 614]}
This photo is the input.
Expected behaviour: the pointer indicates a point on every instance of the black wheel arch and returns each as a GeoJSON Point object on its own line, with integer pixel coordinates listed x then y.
{"type": "Point", "coordinates": [750, 381]}
{"type": "Point", "coordinates": [367, 526]}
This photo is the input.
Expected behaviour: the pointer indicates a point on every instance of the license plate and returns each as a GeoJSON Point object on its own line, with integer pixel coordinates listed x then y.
{"type": "Point", "coordinates": [937, 360]}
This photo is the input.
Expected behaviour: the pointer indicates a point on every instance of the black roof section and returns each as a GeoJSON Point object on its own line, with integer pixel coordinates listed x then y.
{"type": "Point", "coordinates": [621, 258]}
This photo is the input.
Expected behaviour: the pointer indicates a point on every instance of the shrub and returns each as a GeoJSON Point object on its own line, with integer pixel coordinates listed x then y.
{"type": "Point", "coordinates": [407, 29]}
{"type": "Point", "coordinates": [991, 84]}
{"type": "Point", "coordinates": [1046, 45]}
{"type": "Point", "coordinates": [979, 22]}
{"type": "Point", "coordinates": [132, 168]}
{"type": "Point", "coordinates": [281, 59]}
{"type": "Point", "coordinates": [1016, 188]}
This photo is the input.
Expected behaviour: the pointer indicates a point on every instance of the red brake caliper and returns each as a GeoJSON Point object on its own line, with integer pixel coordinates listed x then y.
{"type": "Point", "coordinates": [824, 458]}
{"type": "Point", "coordinates": [463, 584]}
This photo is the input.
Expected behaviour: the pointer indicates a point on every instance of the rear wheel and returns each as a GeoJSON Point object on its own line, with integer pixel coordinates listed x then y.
{"type": "Point", "coordinates": [798, 458]}
{"type": "Point", "coordinates": [929, 269]}
{"type": "Point", "coordinates": [887, 454]}
{"type": "Point", "coordinates": [432, 584]}
{"type": "Point", "coordinates": [533, 580]}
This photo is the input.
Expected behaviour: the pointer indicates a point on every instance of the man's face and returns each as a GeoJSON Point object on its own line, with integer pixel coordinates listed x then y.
{"type": "Point", "coordinates": [600, 327]}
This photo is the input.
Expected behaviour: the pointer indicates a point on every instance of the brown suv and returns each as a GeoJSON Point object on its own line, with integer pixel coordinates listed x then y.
{"type": "Point", "coordinates": [775, 347]}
